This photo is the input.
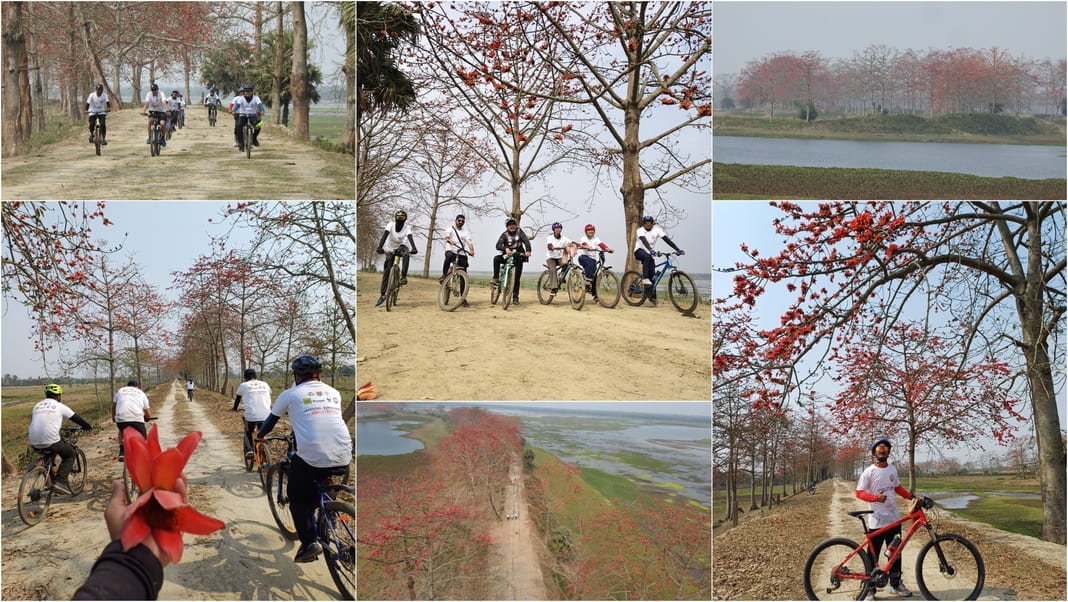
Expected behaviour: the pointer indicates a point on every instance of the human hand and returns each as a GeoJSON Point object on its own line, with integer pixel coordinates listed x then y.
{"type": "Point", "coordinates": [115, 511]}
{"type": "Point", "coordinates": [882, 497]}
{"type": "Point", "coordinates": [681, 252]}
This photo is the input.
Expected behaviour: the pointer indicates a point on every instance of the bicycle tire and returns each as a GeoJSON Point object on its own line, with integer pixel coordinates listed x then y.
{"type": "Point", "coordinates": [338, 538]}
{"type": "Point", "coordinates": [682, 292]}
{"type": "Point", "coordinates": [96, 138]}
{"type": "Point", "coordinates": [132, 492]}
{"type": "Point", "coordinates": [211, 116]}
{"type": "Point", "coordinates": [964, 556]}
{"type": "Point", "coordinates": [248, 141]}
{"type": "Point", "coordinates": [576, 289]}
{"type": "Point", "coordinates": [264, 465]}
{"type": "Point", "coordinates": [632, 289]}
{"type": "Point", "coordinates": [78, 472]}
{"type": "Point", "coordinates": [157, 140]}
{"type": "Point", "coordinates": [250, 461]}
{"type": "Point", "coordinates": [495, 293]}
{"type": "Point", "coordinates": [509, 289]}
{"type": "Point", "coordinates": [391, 287]}
{"type": "Point", "coordinates": [545, 294]}
{"type": "Point", "coordinates": [35, 495]}
{"type": "Point", "coordinates": [606, 283]}
{"type": "Point", "coordinates": [453, 290]}
{"type": "Point", "coordinates": [819, 564]}
{"type": "Point", "coordinates": [278, 500]}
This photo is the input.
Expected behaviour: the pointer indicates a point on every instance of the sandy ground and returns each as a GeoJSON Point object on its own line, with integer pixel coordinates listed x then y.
{"type": "Point", "coordinates": [514, 566]}
{"type": "Point", "coordinates": [199, 162]}
{"type": "Point", "coordinates": [530, 352]}
{"type": "Point", "coordinates": [248, 560]}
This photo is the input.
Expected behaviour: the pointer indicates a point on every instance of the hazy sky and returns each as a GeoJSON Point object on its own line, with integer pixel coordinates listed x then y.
{"type": "Point", "coordinates": [743, 31]}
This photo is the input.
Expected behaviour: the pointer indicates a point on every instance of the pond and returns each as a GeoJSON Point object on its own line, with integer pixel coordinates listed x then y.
{"type": "Point", "coordinates": [378, 437]}
{"type": "Point", "coordinates": [991, 160]}
{"type": "Point", "coordinates": [959, 500]}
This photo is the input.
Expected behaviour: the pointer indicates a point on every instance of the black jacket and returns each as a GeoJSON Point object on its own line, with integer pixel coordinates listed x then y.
{"type": "Point", "coordinates": [518, 242]}
{"type": "Point", "coordinates": [118, 575]}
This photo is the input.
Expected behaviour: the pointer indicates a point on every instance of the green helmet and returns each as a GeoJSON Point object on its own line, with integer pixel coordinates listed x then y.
{"type": "Point", "coordinates": [54, 389]}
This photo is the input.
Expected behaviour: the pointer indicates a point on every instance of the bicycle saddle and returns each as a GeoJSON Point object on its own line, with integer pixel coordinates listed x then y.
{"type": "Point", "coordinates": [859, 513]}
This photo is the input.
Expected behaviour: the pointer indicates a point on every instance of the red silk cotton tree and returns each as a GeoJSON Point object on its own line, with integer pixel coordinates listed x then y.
{"type": "Point", "coordinates": [910, 382]}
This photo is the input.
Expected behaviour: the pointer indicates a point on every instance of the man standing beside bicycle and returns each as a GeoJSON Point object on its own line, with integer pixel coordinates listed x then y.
{"type": "Point", "coordinates": [875, 482]}
{"type": "Point", "coordinates": [324, 445]}
{"type": "Point", "coordinates": [98, 105]}
{"type": "Point", "coordinates": [45, 420]}
{"type": "Point", "coordinates": [645, 251]}
{"type": "Point", "coordinates": [129, 409]}
{"type": "Point", "coordinates": [559, 249]}
{"type": "Point", "coordinates": [511, 241]}
{"type": "Point", "coordinates": [156, 109]}
{"type": "Point", "coordinates": [393, 237]}
{"type": "Point", "coordinates": [257, 397]}
{"type": "Point", "coordinates": [459, 245]}
{"type": "Point", "coordinates": [246, 108]}
{"type": "Point", "coordinates": [589, 246]}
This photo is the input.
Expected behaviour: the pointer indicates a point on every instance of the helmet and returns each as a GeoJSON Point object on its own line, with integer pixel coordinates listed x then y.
{"type": "Point", "coordinates": [154, 87]}
{"type": "Point", "coordinates": [100, 86]}
{"type": "Point", "coordinates": [589, 227]}
{"type": "Point", "coordinates": [881, 440]}
{"type": "Point", "coordinates": [133, 383]}
{"type": "Point", "coordinates": [648, 218]}
{"type": "Point", "coordinates": [400, 214]}
{"type": "Point", "coordinates": [510, 222]}
{"type": "Point", "coordinates": [214, 90]}
{"type": "Point", "coordinates": [250, 373]}
{"type": "Point", "coordinates": [53, 389]}
{"type": "Point", "coordinates": [246, 88]}
{"type": "Point", "coordinates": [306, 365]}
{"type": "Point", "coordinates": [557, 225]}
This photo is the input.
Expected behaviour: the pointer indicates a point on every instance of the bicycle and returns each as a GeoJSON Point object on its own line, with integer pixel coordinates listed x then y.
{"type": "Point", "coordinates": [571, 276]}
{"type": "Point", "coordinates": [132, 491]}
{"type": "Point", "coordinates": [35, 490]}
{"type": "Point", "coordinates": [507, 279]}
{"type": "Point", "coordinates": [155, 136]}
{"type": "Point", "coordinates": [97, 136]}
{"type": "Point", "coordinates": [839, 569]}
{"type": "Point", "coordinates": [261, 456]}
{"type": "Point", "coordinates": [393, 284]}
{"type": "Point", "coordinates": [454, 286]}
{"type": "Point", "coordinates": [681, 289]}
{"type": "Point", "coordinates": [213, 114]}
{"type": "Point", "coordinates": [605, 283]}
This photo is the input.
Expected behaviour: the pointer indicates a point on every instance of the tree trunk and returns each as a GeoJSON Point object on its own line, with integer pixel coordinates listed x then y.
{"type": "Point", "coordinates": [298, 79]}
{"type": "Point", "coordinates": [348, 135]}
{"type": "Point", "coordinates": [38, 86]}
{"type": "Point", "coordinates": [15, 63]}
{"type": "Point", "coordinates": [279, 64]}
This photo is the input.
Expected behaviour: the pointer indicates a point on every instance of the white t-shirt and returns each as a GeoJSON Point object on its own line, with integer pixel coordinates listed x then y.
{"type": "Point", "coordinates": [212, 100]}
{"type": "Point", "coordinates": [244, 106]}
{"type": "Point", "coordinates": [880, 480]}
{"type": "Point", "coordinates": [98, 105]}
{"type": "Point", "coordinates": [45, 421]}
{"type": "Point", "coordinates": [653, 235]}
{"type": "Point", "coordinates": [189, 385]}
{"type": "Point", "coordinates": [130, 405]}
{"type": "Point", "coordinates": [256, 395]}
{"type": "Point", "coordinates": [157, 102]}
{"type": "Point", "coordinates": [174, 104]}
{"type": "Point", "coordinates": [457, 237]}
{"type": "Point", "coordinates": [552, 240]}
{"type": "Point", "coordinates": [396, 239]}
{"type": "Point", "coordinates": [314, 410]}
{"type": "Point", "coordinates": [593, 243]}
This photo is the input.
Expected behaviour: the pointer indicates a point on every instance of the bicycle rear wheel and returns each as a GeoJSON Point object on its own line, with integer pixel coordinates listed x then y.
{"type": "Point", "coordinates": [955, 574]}
{"type": "Point", "coordinates": [391, 287]}
{"type": "Point", "coordinates": [35, 494]}
{"type": "Point", "coordinates": [337, 532]}
{"type": "Point", "coordinates": [278, 500]}
{"type": "Point", "coordinates": [250, 460]}
{"type": "Point", "coordinates": [131, 487]}
{"type": "Point", "coordinates": [264, 463]}
{"type": "Point", "coordinates": [827, 578]}
{"type": "Point", "coordinates": [632, 289]}
{"type": "Point", "coordinates": [78, 473]}
{"type": "Point", "coordinates": [607, 286]}
{"type": "Point", "coordinates": [576, 288]}
{"type": "Point", "coordinates": [545, 294]}
{"type": "Point", "coordinates": [509, 289]}
{"type": "Point", "coordinates": [682, 292]}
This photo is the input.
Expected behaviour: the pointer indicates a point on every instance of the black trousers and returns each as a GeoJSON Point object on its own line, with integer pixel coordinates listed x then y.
{"type": "Point", "coordinates": [883, 540]}
{"type": "Point", "coordinates": [388, 265]}
{"type": "Point", "coordinates": [103, 119]}
{"type": "Point", "coordinates": [137, 426]}
{"type": "Point", "coordinates": [499, 260]}
{"type": "Point", "coordinates": [65, 451]}
{"type": "Point", "coordinates": [239, 127]}
{"type": "Point", "coordinates": [250, 433]}
{"type": "Point", "coordinates": [302, 497]}
{"type": "Point", "coordinates": [648, 268]}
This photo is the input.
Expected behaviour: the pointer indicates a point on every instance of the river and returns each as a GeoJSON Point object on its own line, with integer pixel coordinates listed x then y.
{"type": "Point", "coordinates": [991, 160]}
{"type": "Point", "coordinates": [379, 437]}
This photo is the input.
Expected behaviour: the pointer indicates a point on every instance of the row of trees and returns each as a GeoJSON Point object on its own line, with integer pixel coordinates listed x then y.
{"type": "Point", "coordinates": [882, 78]}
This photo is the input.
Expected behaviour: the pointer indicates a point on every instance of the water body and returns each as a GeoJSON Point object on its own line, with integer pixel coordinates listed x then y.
{"type": "Point", "coordinates": [961, 500]}
{"type": "Point", "coordinates": [703, 282]}
{"type": "Point", "coordinates": [378, 437]}
{"type": "Point", "coordinates": [991, 160]}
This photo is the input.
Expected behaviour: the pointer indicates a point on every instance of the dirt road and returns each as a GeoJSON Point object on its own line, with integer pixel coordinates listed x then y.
{"type": "Point", "coordinates": [247, 560]}
{"type": "Point", "coordinates": [514, 566]}
{"type": "Point", "coordinates": [199, 162]}
{"type": "Point", "coordinates": [530, 352]}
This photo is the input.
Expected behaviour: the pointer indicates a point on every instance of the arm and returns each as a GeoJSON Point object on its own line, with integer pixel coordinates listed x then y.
{"type": "Point", "coordinates": [382, 241]}
{"type": "Point", "coordinates": [671, 244]}
{"type": "Point", "coordinates": [411, 245]}
{"type": "Point", "coordinates": [903, 492]}
{"type": "Point", "coordinates": [869, 497]}
{"type": "Point", "coordinates": [76, 419]}
{"type": "Point", "coordinates": [237, 400]}
{"type": "Point", "coordinates": [268, 425]}
{"type": "Point", "coordinates": [501, 242]}
{"type": "Point", "coordinates": [645, 243]}
{"type": "Point", "coordinates": [118, 575]}
{"type": "Point", "coordinates": [113, 411]}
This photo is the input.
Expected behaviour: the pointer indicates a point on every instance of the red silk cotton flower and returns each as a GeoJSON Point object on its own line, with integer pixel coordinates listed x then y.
{"type": "Point", "coordinates": [160, 510]}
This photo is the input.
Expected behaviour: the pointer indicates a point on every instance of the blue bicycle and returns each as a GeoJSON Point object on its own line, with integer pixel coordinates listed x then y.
{"type": "Point", "coordinates": [681, 289]}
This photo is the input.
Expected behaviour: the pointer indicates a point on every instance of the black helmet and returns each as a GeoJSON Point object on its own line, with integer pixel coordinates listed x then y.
{"type": "Point", "coordinates": [99, 86]}
{"type": "Point", "coordinates": [132, 383]}
{"type": "Point", "coordinates": [881, 440]}
{"type": "Point", "coordinates": [648, 218]}
{"type": "Point", "coordinates": [250, 373]}
{"type": "Point", "coordinates": [510, 222]}
{"type": "Point", "coordinates": [400, 214]}
{"type": "Point", "coordinates": [246, 88]}
{"type": "Point", "coordinates": [307, 365]}
{"type": "Point", "coordinates": [154, 87]}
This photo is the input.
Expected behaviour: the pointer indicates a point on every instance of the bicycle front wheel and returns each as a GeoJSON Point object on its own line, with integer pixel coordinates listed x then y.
{"type": "Point", "coordinates": [35, 495]}
{"type": "Point", "coordinates": [337, 532]}
{"type": "Point", "coordinates": [509, 289]}
{"type": "Point", "coordinates": [452, 291]}
{"type": "Point", "coordinates": [153, 148]}
{"type": "Point", "coordinates": [632, 289]}
{"type": "Point", "coordinates": [391, 288]}
{"type": "Point", "coordinates": [682, 292]}
{"type": "Point", "coordinates": [576, 288]}
{"type": "Point", "coordinates": [828, 576]}
{"type": "Point", "coordinates": [949, 567]}
{"type": "Point", "coordinates": [248, 142]}
{"type": "Point", "coordinates": [607, 287]}
{"type": "Point", "coordinates": [278, 500]}
{"type": "Point", "coordinates": [78, 473]}
{"type": "Point", "coordinates": [545, 294]}
{"type": "Point", "coordinates": [96, 139]}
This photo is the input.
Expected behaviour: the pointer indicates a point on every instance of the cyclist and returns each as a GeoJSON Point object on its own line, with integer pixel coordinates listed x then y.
{"type": "Point", "coordinates": [875, 482]}
{"type": "Point", "coordinates": [213, 99]}
{"type": "Point", "coordinates": [45, 419]}
{"type": "Point", "coordinates": [257, 397]}
{"type": "Point", "coordinates": [588, 248]}
{"type": "Point", "coordinates": [156, 108]}
{"type": "Point", "coordinates": [511, 241]}
{"type": "Point", "coordinates": [189, 388]}
{"type": "Point", "coordinates": [246, 108]}
{"type": "Point", "coordinates": [324, 444]}
{"type": "Point", "coordinates": [645, 251]}
{"type": "Point", "coordinates": [393, 236]}
{"type": "Point", "coordinates": [559, 249]}
{"type": "Point", "coordinates": [458, 247]}
{"type": "Point", "coordinates": [181, 109]}
{"type": "Point", "coordinates": [174, 107]}
{"type": "Point", "coordinates": [98, 105]}
{"type": "Point", "coordinates": [129, 409]}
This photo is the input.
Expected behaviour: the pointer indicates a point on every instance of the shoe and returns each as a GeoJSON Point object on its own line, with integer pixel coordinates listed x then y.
{"type": "Point", "coordinates": [495, 282]}
{"type": "Point", "coordinates": [122, 457]}
{"type": "Point", "coordinates": [309, 552]}
{"type": "Point", "coordinates": [249, 455]}
{"type": "Point", "coordinates": [404, 281]}
{"type": "Point", "coordinates": [515, 302]}
{"type": "Point", "coordinates": [255, 142]}
{"type": "Point", "coordinates": [596, 300]}
{"type": "Point", "coordinates": [103, 143]}
{"type": "Point", "coordinates": [465, 303]}
{"type": "Point", "coordinates": [380, 301]}
{"type": "Point", "coordinates": [148, 140]}
{"type": "Point", "coordinates": [647, 282]}
{"type": "Point", "coordinates": [553, 290]}
{"type": "Point", "coordinates": [90, 138]}
{"type": "Point", "coordinates": [899, 590]}
{"type": "Point", "coordinates": [164, 143]}
{"type": "Point", "coordinates": [653, 302]}
{"type": "Point", "coordinates": [237, 144]}
{"type": "Point", "coordinates": [62, 487]}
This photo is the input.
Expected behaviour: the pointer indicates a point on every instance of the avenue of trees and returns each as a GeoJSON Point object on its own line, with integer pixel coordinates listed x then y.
{"type": "Point", "coordinates": [882, 78]}
{"type": "Point", "coordinates": [465, 106]}
{"type": "Point", "coordinates": [943, 324]}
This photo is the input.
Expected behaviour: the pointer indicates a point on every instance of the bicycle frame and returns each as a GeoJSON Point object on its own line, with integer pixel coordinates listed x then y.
{"type": "Point", "coordinates": [920, 520]}
{"type": "Point", "coordinates": [665, 267]}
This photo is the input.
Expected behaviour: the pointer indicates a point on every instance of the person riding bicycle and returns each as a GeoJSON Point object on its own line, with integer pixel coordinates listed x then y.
{"type": "Point", "coordinates": [174, 107]}
{"type": "Point", "coordinates": [589, 247]}
{"type": "Point", "coordinates": [45, 419]}
{"type": "Point", "coordinates": [98, 105]}
{"type": "Point", "coordinates": [393, 236]}
{"type": "Point", "coordinates": [875, 483]}
{"type": "Point", "coordinates": [511, 241]}
{"type": "Point", "coordinates": [247, 108]}
{"type": "Point", "coordinates": [558, 250]}
{"type": "Point", "coordinates": [459, 245]}
{"type": "Point", "coordinates": [156, 109]}
{"type": "Point", "coordinates": [645, 251]}
{"type": "Point", "coordinates": [129, 409]}
{"type": "Point", "coordinates": [324, 445]}
{"type": "Point", "coordinates": [213, 100]}
{"type": "Point", "coordinates": [189, 388]}
{"type": "Point", "coordinates": [257, 397]}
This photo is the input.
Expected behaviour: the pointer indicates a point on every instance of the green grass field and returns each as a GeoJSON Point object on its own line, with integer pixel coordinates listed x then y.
{"type": "Point", "coordinates": [326, 125]}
